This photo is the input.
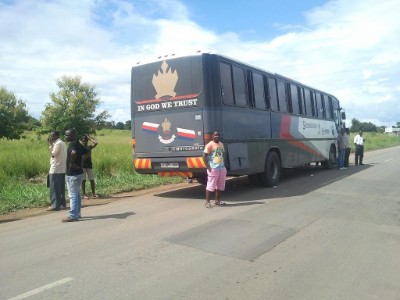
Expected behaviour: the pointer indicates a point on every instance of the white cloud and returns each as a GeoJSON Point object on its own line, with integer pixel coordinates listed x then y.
{"type": "Point", "coordinates": [348, 48]}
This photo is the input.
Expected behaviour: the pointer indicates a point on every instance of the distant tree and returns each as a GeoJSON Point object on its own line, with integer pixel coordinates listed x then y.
{"type": "Point", "coordinates": [398, 124]}
{"type": "Point", "coordinates": [108, 125]}
{"type": "Point", "coordinates": [119, 126]}
{"type": "Point", "coordinates": [368, 127]}
{"type": "Point", "coordinates": [73, 106]}
{"type": "Point", "coordinates": [355, 125]}
{"type": "Point", "coordinates": [128, 125]}
{"type": "Point", "coordinates": [31, 123]}
{"type": "Point", "coordinates": [13, 115]}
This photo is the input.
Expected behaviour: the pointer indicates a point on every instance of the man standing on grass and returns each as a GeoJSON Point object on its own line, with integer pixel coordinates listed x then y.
{"type": "Point", "coordinates": [88, 166]}
{"type": "Point", "coordinates": [58, 163]}
{"type": "Point", "coordinates": [74, 175]}
{"type": "Point", "coordinates": [216, 173]}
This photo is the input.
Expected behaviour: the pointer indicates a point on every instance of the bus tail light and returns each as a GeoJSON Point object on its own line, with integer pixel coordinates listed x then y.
{"type": "Point", "coordinates": [142, 163]}
{"type": "Point", "coordinates": [195, 163]}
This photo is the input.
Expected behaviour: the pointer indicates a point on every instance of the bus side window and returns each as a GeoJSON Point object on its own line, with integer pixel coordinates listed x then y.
{"type": "Point", "coordinates": [308, 102]}
{"type": "Point", "coordinates": [328, 107]}
{"type": "Point", "coordinates": [300, 92]}
{"type": "Point", "coordinates": [273, 94]}
{"type": "Point", "coordinates": [226, 83]}
{"type": "Point", "coordinates": [335, 108]}
{"type": "Point", "coordinates": [266, 93]}
{"type": "Point", "coordinates": [250, 87]}
{"type": "Point", "coordinates": [323, 107]}
{"type": "Point", "coordinates": [281, 95]}
{"type": "Point", "coordinates": [294, 99]}
{"type": "Point", "coordinates": [258, 91]}
{"type": "Point", "coordinates": [239, 86]}
{"type": "Point", "coordinates": [319, 106]}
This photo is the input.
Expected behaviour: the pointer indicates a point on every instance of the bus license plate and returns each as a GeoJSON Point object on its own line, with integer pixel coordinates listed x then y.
{"type": "Point", "coordinates": [170, 165]}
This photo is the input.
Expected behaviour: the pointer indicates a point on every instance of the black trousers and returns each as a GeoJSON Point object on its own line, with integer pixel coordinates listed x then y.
{"type": "Point", "coordinates": [346, 157]}
{"type": "Point", "coordinates": [359, 154]}
{"type": "Point", "coordinates": [57, 190]}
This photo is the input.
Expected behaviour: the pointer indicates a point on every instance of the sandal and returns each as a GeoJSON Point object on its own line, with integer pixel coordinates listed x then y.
{"type": "Point", "coordinates": [207, 205]}
{"type": "Point", "coordinates": [220, 203]}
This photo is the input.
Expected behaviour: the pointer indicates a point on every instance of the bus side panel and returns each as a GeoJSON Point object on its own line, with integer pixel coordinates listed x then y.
{"type": "Point", "coordinates": [243, 130]}
{"type": "Point", "coordinates": [302, 140]}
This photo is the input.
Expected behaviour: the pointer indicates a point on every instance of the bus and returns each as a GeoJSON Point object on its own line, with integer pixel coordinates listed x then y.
{"type": "Point", "coordinates": [268, 122]}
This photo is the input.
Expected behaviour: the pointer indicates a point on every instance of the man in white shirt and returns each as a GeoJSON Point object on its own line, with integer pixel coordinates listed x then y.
{"type": "Point", "coordinates": [359, 144]}
{"type": "Point", "coordinates": [58, 166]}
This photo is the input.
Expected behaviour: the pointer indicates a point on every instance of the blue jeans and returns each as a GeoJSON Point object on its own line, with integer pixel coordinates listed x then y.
{"type": "Point", "coordinates": [341, 158]}
{"type": "Point", "coordinates": [74, 194]}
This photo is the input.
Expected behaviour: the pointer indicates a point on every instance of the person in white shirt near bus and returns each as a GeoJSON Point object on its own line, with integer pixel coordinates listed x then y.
{"type": "Point", "coordinates": [359, 153]}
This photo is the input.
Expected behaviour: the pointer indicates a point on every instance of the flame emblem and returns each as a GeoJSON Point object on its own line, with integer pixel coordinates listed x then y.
{"type": "Point", "coordinates": [165, 81]}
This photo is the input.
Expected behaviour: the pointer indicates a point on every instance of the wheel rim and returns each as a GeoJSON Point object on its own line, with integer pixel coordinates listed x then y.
{"type": "Point", "coordinates": [274, 170]}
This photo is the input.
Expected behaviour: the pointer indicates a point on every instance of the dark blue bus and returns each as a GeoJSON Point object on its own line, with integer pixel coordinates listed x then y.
{"type": "Point", "coordinates": [267, 121]}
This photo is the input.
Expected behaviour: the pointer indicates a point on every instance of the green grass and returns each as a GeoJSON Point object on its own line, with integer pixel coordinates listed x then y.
{"type": "Point", "coordinates": [25, 164]}
{"type": "Point", "coordinates": [375, 141]}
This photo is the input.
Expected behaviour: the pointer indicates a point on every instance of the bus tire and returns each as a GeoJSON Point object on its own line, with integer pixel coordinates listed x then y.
{"type": "Point", "coordinates": [254, 179]}
{"type": "Point", "coordinates": [202, 179]}
{"type": "Point", "coordinates": [331, 162]}
{"type": "Point", "coordinates": [272, 171]}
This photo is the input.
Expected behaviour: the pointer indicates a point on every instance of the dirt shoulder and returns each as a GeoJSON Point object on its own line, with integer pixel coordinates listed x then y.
{"type": "Point", "coordinates": [32, 212]}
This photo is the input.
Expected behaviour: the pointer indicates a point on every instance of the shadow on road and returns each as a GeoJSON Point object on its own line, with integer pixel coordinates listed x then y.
{"type": "Point", "coordinates": [294, 182]}
{"type": "Point", "coordinates": [115, 216]}
{"type": "Point", "coordinates": [9, 220]}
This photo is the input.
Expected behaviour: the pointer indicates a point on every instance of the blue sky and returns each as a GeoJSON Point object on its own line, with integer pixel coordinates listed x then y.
{"type": "Point", "coordinates": [349, 48]}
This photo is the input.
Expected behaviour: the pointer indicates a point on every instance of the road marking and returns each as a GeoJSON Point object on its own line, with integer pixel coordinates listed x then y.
{"type": "Point", "coordinates": [41, 289]}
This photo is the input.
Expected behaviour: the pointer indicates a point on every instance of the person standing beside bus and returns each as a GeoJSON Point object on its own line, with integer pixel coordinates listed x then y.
{"type": "Point", "coordinates": [359, 143]}
{"type": "Point", "coordinates": [88, 166]}
{"type": "Point", "coordinates": [58, 164]}
{"type": "Point", "coordinates": [216, 172]}
{"type": "Point", "coordinates": [341, 149]}
{"type": "Point", "coordinates": [347, 146]}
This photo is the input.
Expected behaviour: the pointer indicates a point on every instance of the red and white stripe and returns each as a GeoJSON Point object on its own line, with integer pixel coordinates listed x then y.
{"type": "Point", "coordinates": [150, 126]}
{"type": "Point", "coordinates": [186, 133]}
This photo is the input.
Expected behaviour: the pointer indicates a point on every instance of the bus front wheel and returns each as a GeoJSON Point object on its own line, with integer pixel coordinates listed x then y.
{"type": "Point", "coordinates": [328, 164]}
{"type": "Point", "coordinates": [272, 171]}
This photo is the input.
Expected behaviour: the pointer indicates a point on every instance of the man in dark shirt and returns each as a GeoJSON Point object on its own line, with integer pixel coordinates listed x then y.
{"type": "Point", "coordinates": [88, 166]}
{"type": "Point", "coordinates": [74, 175]}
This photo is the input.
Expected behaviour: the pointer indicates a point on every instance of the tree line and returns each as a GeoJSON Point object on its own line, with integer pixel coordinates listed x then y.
{"type": "Point", "coordinates": [357, 126]}
{"type": "Point", "coordinates": [73, 106]}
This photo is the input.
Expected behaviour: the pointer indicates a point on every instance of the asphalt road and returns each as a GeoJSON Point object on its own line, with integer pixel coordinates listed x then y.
{"type": "Point", "coordinates": [318, 235]}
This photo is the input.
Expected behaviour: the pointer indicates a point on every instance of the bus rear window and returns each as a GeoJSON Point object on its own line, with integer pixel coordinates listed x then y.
{"type": "Point", "coordinates": [226, 83]}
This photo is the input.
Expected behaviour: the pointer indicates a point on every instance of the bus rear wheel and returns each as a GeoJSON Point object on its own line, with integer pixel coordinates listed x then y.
{"type": "Point", "coordinates": [202, 179]}
{"type": "Point", "coordinates": [272, 171]}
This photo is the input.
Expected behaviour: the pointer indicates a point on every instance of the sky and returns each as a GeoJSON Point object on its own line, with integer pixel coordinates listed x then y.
{"type": "Point", "coordinates": [348, 48]}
